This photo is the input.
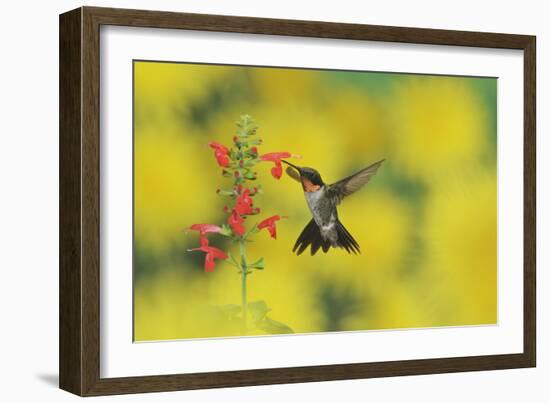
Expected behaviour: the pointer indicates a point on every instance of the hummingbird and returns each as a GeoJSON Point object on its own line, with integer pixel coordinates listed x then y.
{"type": "Point", "coordinates": [325, 229]}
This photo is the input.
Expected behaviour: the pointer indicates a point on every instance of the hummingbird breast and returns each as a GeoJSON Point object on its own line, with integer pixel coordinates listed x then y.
{"type": "Point", "coordinates": [324, 213]}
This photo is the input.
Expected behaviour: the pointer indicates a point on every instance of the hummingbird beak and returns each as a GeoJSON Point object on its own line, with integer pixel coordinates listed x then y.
{"type": "Point", "coordinates": [293, 166]}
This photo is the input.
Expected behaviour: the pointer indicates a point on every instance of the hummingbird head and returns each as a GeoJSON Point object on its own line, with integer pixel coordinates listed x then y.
{"type": "Point", "coordinates": [311, 179]}
{"type": "Point", "coordinates": [311, 175]}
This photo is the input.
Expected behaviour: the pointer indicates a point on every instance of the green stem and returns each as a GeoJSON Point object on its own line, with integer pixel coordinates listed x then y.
{"type": "Point", "coordinates": [244, 273]}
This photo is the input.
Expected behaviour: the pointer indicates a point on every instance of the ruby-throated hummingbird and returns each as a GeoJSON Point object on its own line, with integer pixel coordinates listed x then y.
{"type": "Point", "coordinates": [325, 230]}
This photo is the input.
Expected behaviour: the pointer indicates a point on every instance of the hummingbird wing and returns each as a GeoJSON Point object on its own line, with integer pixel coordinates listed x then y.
{"type": "Point", "coordinates": [293, 174]}
{"type": "Point", "coordinates": [347, 186]}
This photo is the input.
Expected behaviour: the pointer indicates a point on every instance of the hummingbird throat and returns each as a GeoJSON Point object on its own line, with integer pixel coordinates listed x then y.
{"type": "Point", "coordinates": [309, 186]}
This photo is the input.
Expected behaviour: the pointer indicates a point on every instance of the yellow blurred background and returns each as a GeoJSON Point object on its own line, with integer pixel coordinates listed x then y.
{"type": "Point", "coordinates": [426, 223]}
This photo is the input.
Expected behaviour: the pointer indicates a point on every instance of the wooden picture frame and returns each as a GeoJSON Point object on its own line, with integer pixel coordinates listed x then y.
{"type": "Point", "coordinates": [79, 346]}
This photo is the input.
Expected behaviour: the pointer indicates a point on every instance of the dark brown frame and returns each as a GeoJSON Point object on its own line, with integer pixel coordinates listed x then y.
{"type": "Point", "coordinates": [79, 201]}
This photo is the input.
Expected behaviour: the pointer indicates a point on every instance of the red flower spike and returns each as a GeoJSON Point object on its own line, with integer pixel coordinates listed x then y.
{"type": "Point", "coordinates": [269, 223]}
{"type": "Point", "coordinates": [203, 230]}
{"type": "Point", "coordinates": [211, 254]}
{"type": "Point", "coordinates": [236, 223]}
{"type": "Point", "coordinates": [275, 156]}
{"type": "Point", "coordinates": [243, 205]}
{"type": "Point", "coordinates": [277, 170]}
{"type": "Point", "coordinates": [221, 153]}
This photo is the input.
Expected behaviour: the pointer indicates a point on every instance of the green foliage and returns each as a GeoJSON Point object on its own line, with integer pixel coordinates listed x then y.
{"type": "Point", "coordinates": [271, 326]}
{"type": "Point", "coordinates": [233, 260]}
{"type": "Point", "coordinates": [231, 311]}
{"type": "Point", "coordinates": [258, 312]}
{"type": "Point", "coordinates": [258, 264]}
{"type": "Point", "coordinates": [226, 230]}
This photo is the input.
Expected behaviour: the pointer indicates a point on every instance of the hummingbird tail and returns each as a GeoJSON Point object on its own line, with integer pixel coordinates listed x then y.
{"type": "Point", "coordinates": [345, 240]}
{"type": "Point", "coordinates": [311, 235]}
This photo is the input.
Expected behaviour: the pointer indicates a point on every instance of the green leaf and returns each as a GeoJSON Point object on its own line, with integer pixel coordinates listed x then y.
{"type": "Point", "coordinates": [250, 163]}
{"type": "Point", "coordinates": [224, 192]}
{"type": "Point", "coordinates": [252, 231]}
{"type": "Point", "coordinates": [271, 326]}
{"type": "Point", "coordinates": [259, 264]}
{"type": "Point", "coordinates": [231, 311]}
{"type": "Point", "coordinates": [250, 175]}
{"type": "Point", "coordinates": [242, 139]}
{"type": "Point", "coordinates": [258, 310]}
{"type": "Point", "coordinates": [233, 260]}
{"type": "Point", "coordinates": [226, 230]}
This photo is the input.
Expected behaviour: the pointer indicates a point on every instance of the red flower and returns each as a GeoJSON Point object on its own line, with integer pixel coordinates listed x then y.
{"type": "Point", "coordinates": [269, 223]}
{"type": "Point", "coordinates": [221, 153]}
{"type": "Point", "coordinates": [211, 254]}
{"type": "Point", "coordinates": [277, 170]}
{"type": "Point", "coordinates": [203, 230]}
{"type": "Point", "coordinates": [236, 222]}
{"type": "Point", "coordinates": [243, 205]}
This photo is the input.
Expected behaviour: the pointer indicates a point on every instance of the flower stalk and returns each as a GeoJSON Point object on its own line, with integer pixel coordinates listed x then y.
{"type": "Point", "coordinates": [238, 162]}
{"type": "Point", "coordinates": [244, 274]}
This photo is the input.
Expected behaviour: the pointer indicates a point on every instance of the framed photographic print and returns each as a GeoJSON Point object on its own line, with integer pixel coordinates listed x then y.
{"type": "Point", "coordinates": [249, 201]}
